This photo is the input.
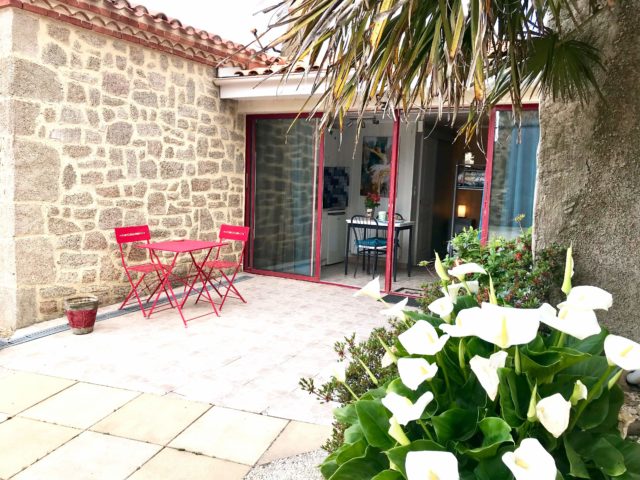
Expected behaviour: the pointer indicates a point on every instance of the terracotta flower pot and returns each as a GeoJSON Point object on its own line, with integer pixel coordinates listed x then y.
{"type": "Point", "coordinates": [81, 313]}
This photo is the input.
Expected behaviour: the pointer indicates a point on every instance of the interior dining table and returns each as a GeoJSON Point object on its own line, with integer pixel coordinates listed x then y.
{"type": "Point", "coordinates": [177, 247]}
{"type": "Point", "coordinates": [382, 226]}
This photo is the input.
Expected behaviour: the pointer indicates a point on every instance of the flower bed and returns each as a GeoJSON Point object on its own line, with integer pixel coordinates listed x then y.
{"type": "Point", "coordinates": [481, 391]}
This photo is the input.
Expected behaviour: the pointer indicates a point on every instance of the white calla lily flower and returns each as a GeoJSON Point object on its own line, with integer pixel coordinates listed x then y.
{"type": "Point", "coordinates": [404, 409]}
{"type": "Point", "coordinates": [553, 413]}
{"type": "Point", "coordinates": [465, 324]}
{"type": "Point", "coordinates": [486, 370]}
{"type": "Point", "coordinates": [580, 392]}
{"type": "Point", "coordinates": [589, 298]}
{"type": "Point", "coordinates": [577, 322]}
{"type": "Point", "coordinates": [339, 371]}
{"type": "Point", "coordinates": [530, 461]}
{"type": "Point", "coordinates": [414, 371]}
{"type": "Point", "coordinates": [441, 307]}
{"type": "Point", "coordinates": [387, 360]}
{"type": "Point", "coordinates": [466, 268]}
{"type": "Point", "coordinates": [395, 431]}
{"type": "Point", "coordinates": [371, 289]}
{"type": "Point", "coordinates": [442, 273]}
{"type": "Point", "coordinates": [396, 310]}
{"type": "Point", "coordinates": [622, 352]}
{"type": "Point", "coordinates": [422, 339]}
{"type": "Point", "coordinates": [430, 465]}
{"type": "Point", "coordinates": [453, 290]}
{"type": "Point", "coordinates": [505, 327]}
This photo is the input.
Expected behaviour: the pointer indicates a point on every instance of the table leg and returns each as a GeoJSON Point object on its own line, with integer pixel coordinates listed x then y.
{"type": "Point", "coordinates": [346, 249]}
{"type": "Point", "coordinates": [410, 259]}
{"type": "Point", "coordinates": [166, 284]}
{"type": "Point", "coordinates": [203, 279]}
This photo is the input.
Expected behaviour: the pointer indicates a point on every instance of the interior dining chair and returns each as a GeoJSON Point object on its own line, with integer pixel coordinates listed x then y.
{"type": "Point", "coordinates": [132, 235]}
{"type": "Point", "coordinates": [367, 242]}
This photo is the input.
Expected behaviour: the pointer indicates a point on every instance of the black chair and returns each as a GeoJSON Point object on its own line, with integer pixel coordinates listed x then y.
{"type": "Point", "coordinates": [367, 242]}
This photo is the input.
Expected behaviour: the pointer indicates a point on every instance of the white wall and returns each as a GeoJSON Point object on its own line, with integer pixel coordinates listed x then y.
{"type": "Point", "coordinates": [342, 154]}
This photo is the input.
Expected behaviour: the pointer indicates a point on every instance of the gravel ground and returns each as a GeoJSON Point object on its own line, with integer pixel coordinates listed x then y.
{"type": "Point", "coordinates": [300, 467]}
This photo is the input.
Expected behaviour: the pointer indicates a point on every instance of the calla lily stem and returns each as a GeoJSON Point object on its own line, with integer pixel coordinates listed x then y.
{"type": "Point", "coordinates": [561, 339]}
{"type": "Point", "coordinates": [426, 430]}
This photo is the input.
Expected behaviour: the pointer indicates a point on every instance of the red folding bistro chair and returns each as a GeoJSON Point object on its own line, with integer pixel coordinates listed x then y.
{"type": "Point", "coordinates": [136, 234]}
{"type": "Point", "coordinates": [210, 267]}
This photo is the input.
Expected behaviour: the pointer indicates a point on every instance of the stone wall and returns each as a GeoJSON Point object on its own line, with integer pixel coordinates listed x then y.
{"type": "Point", "coordinates": [7, 211]}
{"type": "Point", "coordinates": [589, 172]}
{"type": "Point", "coordinates": [105, 134]}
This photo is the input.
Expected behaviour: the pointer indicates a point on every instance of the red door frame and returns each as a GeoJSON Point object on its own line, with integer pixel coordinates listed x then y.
{"type": "Point", "coordinates": [250, 197]}
{"type": "Point", "coordinates": [395, 147]}
{"type": "Point", "coordinates": [488, 172]}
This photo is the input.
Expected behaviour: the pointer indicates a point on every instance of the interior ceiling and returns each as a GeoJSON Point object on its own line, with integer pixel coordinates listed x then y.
{"type": "Point", "coordinates": [430, 119]}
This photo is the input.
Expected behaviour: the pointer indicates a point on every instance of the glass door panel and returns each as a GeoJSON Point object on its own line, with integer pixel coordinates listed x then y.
{"type": "Point", "coordinates": [285, 167]}
{"type": "Point", "coordinates": [513, 175]}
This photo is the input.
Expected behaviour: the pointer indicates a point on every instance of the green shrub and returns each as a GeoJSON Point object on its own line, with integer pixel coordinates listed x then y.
{"type": "Point", "coordinates": [520, 280]}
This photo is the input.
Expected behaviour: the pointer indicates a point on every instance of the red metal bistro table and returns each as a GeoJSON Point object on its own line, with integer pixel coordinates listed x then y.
{"type": "Point", "coordinates": [177, 247]}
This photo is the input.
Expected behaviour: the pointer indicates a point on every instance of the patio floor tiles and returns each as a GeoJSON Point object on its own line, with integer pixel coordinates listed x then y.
{"type": "Point", "coordinates": [152, 418]}
{"type": "Point", "coordinates": [230, 435]}
{"type": "Point", "coordinates": [80, 405]}
{"type": "Point", "coordinates": [171, 464]}
{"type": "Point", "coordinates": [296, 438]}
{"type": "Point", "coordinates": [23, 441]}
{"type": "Point", "coordinates": [21, 390]}
{"type": "Point", "coordinates": [92, 455]}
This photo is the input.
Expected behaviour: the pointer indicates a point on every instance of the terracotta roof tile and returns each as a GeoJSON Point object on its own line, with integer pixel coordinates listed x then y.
{"type": "Point", "coordinates": [135, 23]}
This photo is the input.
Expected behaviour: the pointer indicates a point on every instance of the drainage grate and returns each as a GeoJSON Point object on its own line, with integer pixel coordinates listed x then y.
{"type": "Point", "coordinates": [100, 318]}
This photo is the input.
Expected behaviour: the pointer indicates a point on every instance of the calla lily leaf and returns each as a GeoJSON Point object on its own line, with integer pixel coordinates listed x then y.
{"type": "Point", "coordinates": [495, 432]}
{"type": "Point", "coordinates": [593, 345]}
{"type": "Point", "coordinates": [515, 394]}
{"type": "Point", "coordinates": [542, 366]}
{"type": "Point", "coordinates": [362, 468]}
{"type": "Point", "coordinates": [353, 434]}
{"type": "Point", "coordinates": [353, 450]}
{"type": "Point", "coordinates": [600, 451]}
{"type": "Point", "coordinates": [346, 414]}
{"type": "Point", "coordinates": [455, 424]}
{"type": "Point", "coordinates": [577, 467]}
{"type": "Point", "coordinates": [388, 475]}
{"type": "Point", "coordinates": [374, 420]}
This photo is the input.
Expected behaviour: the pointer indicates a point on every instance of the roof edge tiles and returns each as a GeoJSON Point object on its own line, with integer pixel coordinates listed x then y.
{"type": "Point", "coordinates": [135, 24]}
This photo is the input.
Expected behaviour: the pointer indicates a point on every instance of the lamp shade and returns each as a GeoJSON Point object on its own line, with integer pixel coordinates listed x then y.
{"type": "Point", "coordinates": [462, 211]}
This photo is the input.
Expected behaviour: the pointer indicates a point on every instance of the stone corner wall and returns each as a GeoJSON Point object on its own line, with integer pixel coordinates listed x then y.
{"type": "Point", "coordinates": [105, 133]}
{"type": "Point", "coordinates": [589, 172]}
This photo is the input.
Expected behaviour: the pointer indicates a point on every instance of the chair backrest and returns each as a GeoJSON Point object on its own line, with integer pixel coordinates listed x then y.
{"type": "Point", "coordinates": [398, 216]}
{"type": "Point", "coordinates": [138, 233]}
{"type": "Point", "coordinates": [363, 227]}
{"type": "Point", "coordinates": [233, 232]}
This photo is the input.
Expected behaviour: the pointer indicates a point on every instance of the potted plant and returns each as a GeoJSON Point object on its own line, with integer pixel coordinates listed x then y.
{"type": "Point", "coordinates": [81, 313]}
{"type": "Point", "coordinates": [371, 201]}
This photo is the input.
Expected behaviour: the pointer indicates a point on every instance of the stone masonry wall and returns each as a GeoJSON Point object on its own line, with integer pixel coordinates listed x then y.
{"type": "Point", "coordinates": [7, 211]}
{"type": "Point", "coordinates": [105, 134]}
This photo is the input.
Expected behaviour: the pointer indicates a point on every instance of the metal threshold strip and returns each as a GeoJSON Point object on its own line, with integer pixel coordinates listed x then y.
{"type": "Point", "coordinates": [101, 317]}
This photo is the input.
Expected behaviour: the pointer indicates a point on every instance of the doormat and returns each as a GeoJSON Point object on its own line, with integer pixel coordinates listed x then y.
{"type": "Point", "coordinates": [101, 317]}
{"type": "Point", "coordinates": [391, 298]}
{"type": "Point", "coordinates": [409, 291]}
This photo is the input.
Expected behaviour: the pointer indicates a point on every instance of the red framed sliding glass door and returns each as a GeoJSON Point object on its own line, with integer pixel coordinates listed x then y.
{"type": "Point", "coordinates": [284, 176]}
{"type": "Point", "coordinates": [510, 178]}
